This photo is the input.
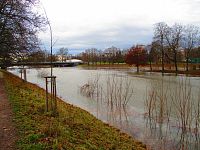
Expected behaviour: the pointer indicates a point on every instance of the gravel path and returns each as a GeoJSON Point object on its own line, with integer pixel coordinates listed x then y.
{"type": "Point", "coordinates": [7, 129]}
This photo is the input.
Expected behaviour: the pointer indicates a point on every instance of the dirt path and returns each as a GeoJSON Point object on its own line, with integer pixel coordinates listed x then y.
{"type": "Point", "coordinates": [7, 130]}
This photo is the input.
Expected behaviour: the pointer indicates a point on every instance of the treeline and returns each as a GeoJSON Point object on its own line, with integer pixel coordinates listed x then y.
{"type": "Point", "coordinates": [170, 45]}
{"type": "Point", "coordinates": [45, 56]}
{"type": "Point", "coordinates": [19, 27]}
{"type": "Point", "coordinates": [176, 43]}
{"type": "Point", "coordinates": [108, 56]}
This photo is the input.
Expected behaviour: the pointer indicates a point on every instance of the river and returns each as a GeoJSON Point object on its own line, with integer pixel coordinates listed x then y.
{"type": "Point", "coordinates": [161, 111]}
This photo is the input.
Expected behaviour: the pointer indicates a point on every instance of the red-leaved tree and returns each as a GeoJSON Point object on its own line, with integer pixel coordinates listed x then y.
{"type": "Point", "coordinates": [136, 56]}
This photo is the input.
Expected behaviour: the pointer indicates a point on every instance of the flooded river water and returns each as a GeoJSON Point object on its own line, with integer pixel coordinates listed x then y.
{"type": "Point", "coordinates": [161, 111]}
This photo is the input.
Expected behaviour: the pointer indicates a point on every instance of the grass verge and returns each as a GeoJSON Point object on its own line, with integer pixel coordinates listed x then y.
{"type": "Point", "coordinates": [71, 128]}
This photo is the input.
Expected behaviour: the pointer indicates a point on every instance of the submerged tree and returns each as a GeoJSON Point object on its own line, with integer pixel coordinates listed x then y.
{"type": "Point", "coordinates": [136, 56]}
{"type": "Point", "coordinates": [19, 26]}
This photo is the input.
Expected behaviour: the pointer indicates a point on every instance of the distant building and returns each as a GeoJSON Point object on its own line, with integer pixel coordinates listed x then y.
{"type": "Point", "coordinates": [111, 51]}
{"type": "Point", "coordinates": [62, 58]}
{"type": "Point", "coordinates": [140, 46]}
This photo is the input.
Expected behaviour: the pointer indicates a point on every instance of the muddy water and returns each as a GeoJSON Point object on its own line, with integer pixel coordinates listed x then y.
{"type": "Point", "coordinates": [133, 118]}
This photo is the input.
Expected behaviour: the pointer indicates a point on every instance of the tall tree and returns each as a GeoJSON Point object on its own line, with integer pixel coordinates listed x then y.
{"type": "Point", "coordinates": [94, 53]}
{"type": "Point", "coordinates": [19, 25]}
{"type": "Point", "coordinates": [91, 56]}
{"type": "Point", "coordinates": [173, 36]}
{"type": "Point", "coordinates": [155, 53]}
{"type": "Point", "coordinates": [190, 40]}
{"type": "Point", "coordinates": [136, 56]}
{"type": "Point", "coordinates": [87, 56]}
{"type": "Point", "coordinates": [160, 30]}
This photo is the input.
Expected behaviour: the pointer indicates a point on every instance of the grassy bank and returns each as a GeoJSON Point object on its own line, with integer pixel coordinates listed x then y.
{"type": "Point", "coordinates": [71, 128]}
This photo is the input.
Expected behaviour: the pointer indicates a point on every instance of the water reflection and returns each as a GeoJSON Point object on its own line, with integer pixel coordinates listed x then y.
{"type": "Point", "coordinates": [179, 106]}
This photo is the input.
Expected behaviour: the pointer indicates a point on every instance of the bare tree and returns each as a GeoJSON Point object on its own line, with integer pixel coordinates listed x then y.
{"type": "Point", "coordinates": [88, 56]}
{"type": "Point", "coordinates": [173, 37]}
{"type": "Point", "coordinates": [155, 52]}
{"type": "Point", "coordinates": [160, 30]}
{"type": "Point", "coordinates": [100, 55]}
{"type": "Point", "coordinates": [91, 56]}
{"type": "Point", "coordinates": [94, 53]}
{"type": "Point", "coordinates": [190, 41]}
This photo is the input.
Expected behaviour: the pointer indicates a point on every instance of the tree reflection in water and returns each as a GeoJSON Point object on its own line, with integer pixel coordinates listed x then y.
{"type": "Point", "coordinates": [180, 110]}
{"type": "Point", "coordinates": [172, 112]}
{"type": "Point", "coordinates": [112, 97]}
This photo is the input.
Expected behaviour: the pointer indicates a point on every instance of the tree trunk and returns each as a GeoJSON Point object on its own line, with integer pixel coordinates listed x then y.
{"type": "Point", "coordinates": [163, 68]}
{"type": "Point", "coordinates": [88, 63]}
{"type": "Point", "coordinates": [187, 62]}
{"type": "Point", "coordinates": [175, 62]}
{"type": "Point", "coordinates": [137, 68]}
{"type": "Point", "coordinates": [150, 65]}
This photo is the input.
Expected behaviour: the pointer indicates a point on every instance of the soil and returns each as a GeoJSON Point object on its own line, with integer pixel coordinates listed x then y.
{"type": "Point", "coordinates": [8, 134]}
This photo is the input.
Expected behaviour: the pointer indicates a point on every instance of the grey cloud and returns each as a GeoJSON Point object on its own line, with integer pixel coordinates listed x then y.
{"type": "Point", "coordinates": [121, 36]}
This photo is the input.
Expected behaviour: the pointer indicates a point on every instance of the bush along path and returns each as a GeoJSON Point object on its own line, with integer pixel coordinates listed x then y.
{"type": "Point", "coordinates": [7, 129]}
{"type": "Point", "coordinates": [70, 128]}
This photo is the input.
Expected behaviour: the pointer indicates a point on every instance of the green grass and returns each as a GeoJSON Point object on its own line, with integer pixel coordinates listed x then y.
{"type": "Point", "coordinates": [71, 128]}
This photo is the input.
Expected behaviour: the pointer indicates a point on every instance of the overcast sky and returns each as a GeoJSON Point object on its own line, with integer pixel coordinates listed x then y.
{"type": "Point", "coordinates": [81, 24]}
